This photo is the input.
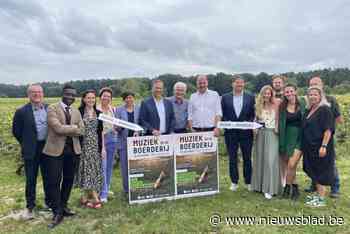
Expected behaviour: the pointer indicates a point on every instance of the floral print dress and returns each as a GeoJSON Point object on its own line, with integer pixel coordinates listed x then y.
{"type": "Point", "coordinates": [90, 175]}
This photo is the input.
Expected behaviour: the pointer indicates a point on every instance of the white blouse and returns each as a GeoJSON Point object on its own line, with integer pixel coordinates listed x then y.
{"type": "Point", "coordinates": [269, 118]}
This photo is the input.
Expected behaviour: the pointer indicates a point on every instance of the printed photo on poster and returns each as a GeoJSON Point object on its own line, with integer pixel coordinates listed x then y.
{"type": "Point", "coordinates": [151, 168]}
{"type": "Point", "coordinates": [196, 164]}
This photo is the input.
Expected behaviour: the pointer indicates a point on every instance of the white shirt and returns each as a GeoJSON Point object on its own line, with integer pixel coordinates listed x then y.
{"type": "Point", "coordinates": [161, 113]}
{"type": "Point", "coordinates": [203, 108]}
{"type": "Point", "coordinates": [238, 103]}
{"type": "Point", "coordinates": [64, 107]}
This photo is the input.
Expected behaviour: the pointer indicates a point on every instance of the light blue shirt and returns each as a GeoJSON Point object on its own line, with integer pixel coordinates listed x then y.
{"type": "Point", "coordinates": [40, 117]}
{"type": "Point", "coordinates": [161, 113]}
{"type": "Point", "coordinates": [180, 111]}
{"type": "Point", "coordinates": [238, 103]}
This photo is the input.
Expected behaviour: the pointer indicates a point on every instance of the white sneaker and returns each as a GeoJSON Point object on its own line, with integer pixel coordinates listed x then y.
{"type": "Point", "coordinates": [104, 200]}
{"type": "Point", "coordinates": [27, 214]}
{"type": "Point", "coordinates": [234, 187]}
{"type": "Point", "coordinates": [249, 187]}
{"type": "Point", "coordinates": [268, 196]}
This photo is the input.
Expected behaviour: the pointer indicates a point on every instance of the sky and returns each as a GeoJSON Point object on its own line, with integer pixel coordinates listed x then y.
{"type": "Point", "coordinates": [62, 40]}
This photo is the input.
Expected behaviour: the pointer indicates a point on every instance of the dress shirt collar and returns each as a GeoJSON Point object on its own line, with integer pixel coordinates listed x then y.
{"type": "Point", "coordinates": [158, 101]}
{"type": "Point", "coordinates": [178, 101]}
{"type": "Point", "coordinates": [37, 106]}
{"type": "Point", "coordinates": [205, 92]}
{"type": "Point", "coordinates": [64, 106]}
{"type": "Point", "coordinates": [237, 95]}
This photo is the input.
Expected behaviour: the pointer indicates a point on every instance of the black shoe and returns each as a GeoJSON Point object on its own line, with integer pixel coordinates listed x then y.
{"type": "Point", "coordinates": [68, 212]}
{"type": "Point", "coordinates": [46, 207]}
{"type": "Point", "coordinates": [57, 219]}
{"type": "Point", "coordinates": [295, 192]}
{"type": "Point", "coordinates": [286, 191]}
{"type": "Point", "coordinates": [310, 189]}
{"type": "Point", "coordinates": [334, 194]}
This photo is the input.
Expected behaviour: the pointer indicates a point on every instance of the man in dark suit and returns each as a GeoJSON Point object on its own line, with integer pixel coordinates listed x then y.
{"type": "Point", "coordinates": [238, 106]}
{"type": "Point", "coordinates": [29, 127]}
{"type": "Point", "coordinates": [156, 113]}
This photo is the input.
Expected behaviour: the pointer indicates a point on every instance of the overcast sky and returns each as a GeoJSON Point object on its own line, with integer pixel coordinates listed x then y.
{"type": "Point", "coordinates": [61, 40]}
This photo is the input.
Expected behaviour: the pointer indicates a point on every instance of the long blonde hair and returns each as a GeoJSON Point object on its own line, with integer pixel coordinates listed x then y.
{"type": "Point", "coordinates": [259, 105]}
{"type": "Point", "coordinates": [323, 101]}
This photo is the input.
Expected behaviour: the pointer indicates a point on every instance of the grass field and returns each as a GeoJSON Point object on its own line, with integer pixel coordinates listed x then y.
{"type": "Point", "coordinates": [181, 216]}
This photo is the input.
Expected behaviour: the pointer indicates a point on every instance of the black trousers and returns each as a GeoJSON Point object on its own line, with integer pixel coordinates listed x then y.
{"type": "Point", "coordinates": [180, 130]}
{"type": "Point", "coordinates": [246, 144]}
{"type": "Point", "coordinates": [59, 176]}
{"type": "Point", "coordinates": [31, 169]}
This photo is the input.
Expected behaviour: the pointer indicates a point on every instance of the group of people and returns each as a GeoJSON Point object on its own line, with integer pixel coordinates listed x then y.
{"type": "Point", "coordinates": [71, 146]}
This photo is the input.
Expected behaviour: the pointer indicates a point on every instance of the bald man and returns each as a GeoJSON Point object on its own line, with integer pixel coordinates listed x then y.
{"type": "Point", "coordinates": [204, 108]}
{"type": "Point", "coordinates": [338, 119]}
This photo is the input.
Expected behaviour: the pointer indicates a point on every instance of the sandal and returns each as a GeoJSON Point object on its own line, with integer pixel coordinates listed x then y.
{"type": "Point", "coordinates": [83, 203]}
{"type": "Point", "coordinates": [98, 205]}
{"type": "Point", "coordinates": [90, 205]}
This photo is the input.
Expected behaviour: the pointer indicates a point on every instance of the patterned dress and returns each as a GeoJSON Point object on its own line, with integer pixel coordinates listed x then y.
{"type": "Point", "coordinates": [90, 175]}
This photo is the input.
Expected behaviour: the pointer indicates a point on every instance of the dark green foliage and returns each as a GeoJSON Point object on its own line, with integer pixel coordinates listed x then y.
{"type": "Point", "coordinates": [337, 81]}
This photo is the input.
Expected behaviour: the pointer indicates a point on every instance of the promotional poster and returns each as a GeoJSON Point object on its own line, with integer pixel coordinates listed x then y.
{"type": "Point", "coordinates": [151, 168]}
{"type": "Point", "coordinates": [172, 166]}
{"type": "Point", "coordinates": [196, 164]}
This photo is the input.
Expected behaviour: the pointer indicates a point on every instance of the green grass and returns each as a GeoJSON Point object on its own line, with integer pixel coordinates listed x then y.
{"type": "Point", "coordinates": [189, 215]}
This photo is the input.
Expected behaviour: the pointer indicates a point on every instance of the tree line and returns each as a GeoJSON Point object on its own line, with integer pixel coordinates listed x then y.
{"type": "Point", "coordinates": [337, 81]}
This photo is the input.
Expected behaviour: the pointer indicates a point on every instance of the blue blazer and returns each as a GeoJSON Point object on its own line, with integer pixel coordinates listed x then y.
{"type": "Point", "coordinates": [247, 113]}
{"type": "Point", "coordinates": [149, 118]}
{"type": "Point", "coordinates": [122, 113]}
{"type": "Point", "coordinates": [24, 130]}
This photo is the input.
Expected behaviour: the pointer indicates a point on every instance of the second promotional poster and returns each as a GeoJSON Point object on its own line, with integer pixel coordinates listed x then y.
{"type": "Point", "coordinates": [172, 166]}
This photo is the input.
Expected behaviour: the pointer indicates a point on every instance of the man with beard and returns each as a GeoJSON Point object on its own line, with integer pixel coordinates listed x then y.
{"type": "Point", "coordinates": [239, 106]}
{"type": "Point", "coordinates": [278, 82]}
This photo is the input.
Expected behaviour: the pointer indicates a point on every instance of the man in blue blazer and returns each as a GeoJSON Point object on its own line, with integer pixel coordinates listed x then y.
{"type": "Point", "coordinates": [238, 106]}
{"type": "Point", "coordinates": [156, 113]}
{"type": "Point", "coordinates": [29, 127]}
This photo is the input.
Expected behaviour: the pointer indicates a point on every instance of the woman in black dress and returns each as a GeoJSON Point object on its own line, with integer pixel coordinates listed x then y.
{"type": "Point", "coordinates": [317, 144]}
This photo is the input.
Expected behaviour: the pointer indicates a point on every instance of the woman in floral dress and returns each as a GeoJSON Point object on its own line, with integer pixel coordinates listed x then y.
{"type": "Point", "coordinates": [90, 174]}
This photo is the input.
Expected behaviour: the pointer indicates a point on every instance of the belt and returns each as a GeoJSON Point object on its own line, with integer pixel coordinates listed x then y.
{"type": "Point", "coordinates": [204, 129]}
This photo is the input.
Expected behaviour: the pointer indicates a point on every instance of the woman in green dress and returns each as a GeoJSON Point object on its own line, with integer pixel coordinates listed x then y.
{"type": "Point", "coordinates": [291, 111]}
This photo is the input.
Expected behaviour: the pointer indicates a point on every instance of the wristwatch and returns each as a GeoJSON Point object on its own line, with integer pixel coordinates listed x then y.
{"type": "Point", "coordinates": [324, 145]}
